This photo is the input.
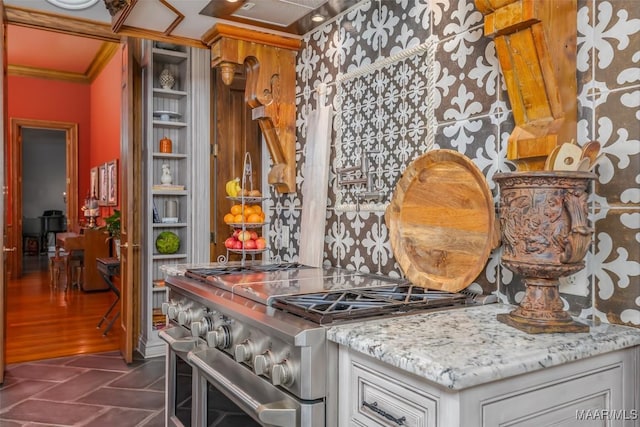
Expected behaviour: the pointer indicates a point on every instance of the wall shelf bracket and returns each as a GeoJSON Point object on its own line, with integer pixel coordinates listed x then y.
{"type": "Point", "coordinates": [536, 46]}
{"type": "Point", "coordinates": [270, 93]}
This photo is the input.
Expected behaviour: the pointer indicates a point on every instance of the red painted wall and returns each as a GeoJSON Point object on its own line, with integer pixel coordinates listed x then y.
{"type": "Point", "coordinates": [94, 107]}
{"type": "Point", "coordinates": [105, 109]}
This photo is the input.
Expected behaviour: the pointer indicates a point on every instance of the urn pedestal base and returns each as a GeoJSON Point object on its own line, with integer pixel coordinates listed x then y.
{"type": "Point", "coordinates": [541, 310]}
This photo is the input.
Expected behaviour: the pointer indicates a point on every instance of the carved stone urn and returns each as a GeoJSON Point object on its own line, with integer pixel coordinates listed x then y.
{"type": "Point", "coordinates": [545, 236]}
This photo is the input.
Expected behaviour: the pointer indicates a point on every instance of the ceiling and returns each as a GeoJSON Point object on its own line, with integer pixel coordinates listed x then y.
{"type": "Point", "coordinates": [74, 56]}
{"type": "Point", "coordinates": [65, 53]}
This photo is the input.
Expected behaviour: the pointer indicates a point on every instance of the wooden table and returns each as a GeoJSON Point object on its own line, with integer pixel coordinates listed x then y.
{"type": "Point", "coordinates": [94, 244]}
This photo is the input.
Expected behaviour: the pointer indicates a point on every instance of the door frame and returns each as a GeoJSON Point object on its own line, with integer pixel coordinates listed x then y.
{"type": "Point", "coordinates": [15, 180]}
{"type": "Point", "coordinates": [84, 29]}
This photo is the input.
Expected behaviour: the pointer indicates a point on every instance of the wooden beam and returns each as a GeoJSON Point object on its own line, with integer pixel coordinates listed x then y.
{"type": "Point", "coordinates": [536, 47]}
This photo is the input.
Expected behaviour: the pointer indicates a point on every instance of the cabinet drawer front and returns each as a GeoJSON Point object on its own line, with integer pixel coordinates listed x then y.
{"type": "Point", "coordinates": [562, 403]}
{"type": "Point", "coordinates": [385, 401]}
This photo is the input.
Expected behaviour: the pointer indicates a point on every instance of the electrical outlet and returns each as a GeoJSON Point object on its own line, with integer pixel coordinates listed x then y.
{"type": "Point", "coordinates": [284, 237]}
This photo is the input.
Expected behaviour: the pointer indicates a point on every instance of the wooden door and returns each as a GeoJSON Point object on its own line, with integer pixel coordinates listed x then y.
{"type": "Point", "coordinates": [234, 133]}
{"type": "Point", "coordinates": [131, 186]}
{"type": "Point", "coordinates": [3, 274]}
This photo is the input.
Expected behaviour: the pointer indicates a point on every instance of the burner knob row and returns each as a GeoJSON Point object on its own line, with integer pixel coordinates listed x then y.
{"type": "Point", "coordinates": [173, 309]}
{"type": "Point", "coordinates": [186, 317]}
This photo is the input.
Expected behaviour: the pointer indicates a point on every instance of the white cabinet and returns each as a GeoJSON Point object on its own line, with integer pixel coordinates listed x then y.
{"type": "Point", "coordinates": [597, 391]}
{"type": "Point", "coordinates": [172, 76]}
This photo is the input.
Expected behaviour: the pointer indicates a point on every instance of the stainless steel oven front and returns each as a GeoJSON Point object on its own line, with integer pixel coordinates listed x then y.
{"type": "Point", "coordinates": [229, 394]}
{"type": "Point", "coordinates": [179, 375]}
{"type": "Point", "coordinates": [207, 388]}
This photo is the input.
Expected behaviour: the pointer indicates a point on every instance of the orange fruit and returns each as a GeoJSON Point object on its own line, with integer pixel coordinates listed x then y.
{"type": "Point", "coordinates": [228, 218]}
{"type": "Point", "coordinates": [236, 209]}
{"type": "Point", "coordinates": [238, 218]}
{"type": "Point", "coordinates": [257, 208]}
{"type": "Point", "coordinates": [248, 210]}
{"type": "Point", "coordinates": [254, 218]}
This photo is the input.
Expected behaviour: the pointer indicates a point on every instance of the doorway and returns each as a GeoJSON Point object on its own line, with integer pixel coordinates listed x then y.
{"type": "Point", "coordinates": [16, 158]}
{"type": "Point", "coordinates": [44, 195]}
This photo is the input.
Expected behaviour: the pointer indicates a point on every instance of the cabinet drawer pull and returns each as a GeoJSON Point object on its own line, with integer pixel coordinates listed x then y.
{"type": "Point", "coordinates": [374, 407]}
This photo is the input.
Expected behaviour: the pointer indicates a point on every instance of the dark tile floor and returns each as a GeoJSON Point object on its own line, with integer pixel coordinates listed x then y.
{"type": "Point", "coordinates": [86, 390]}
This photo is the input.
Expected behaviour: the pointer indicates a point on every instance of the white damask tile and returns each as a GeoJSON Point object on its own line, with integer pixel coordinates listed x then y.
{"type": "Point", "coordinates": [356, 38]}
{"type": "Point", "coordinates": [616, 36]}
{"type": "Point", "coordinates": [618, 131]}
{"type": "Point", "coordinates": [452, 17]}
{"type": "Point", "coordinates": [617, 266]}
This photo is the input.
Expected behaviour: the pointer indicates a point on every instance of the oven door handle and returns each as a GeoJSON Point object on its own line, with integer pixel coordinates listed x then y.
{"type": "Point", "coordinates": [278, 413]}
{"type": "Point", "coordinates": [182, 345]}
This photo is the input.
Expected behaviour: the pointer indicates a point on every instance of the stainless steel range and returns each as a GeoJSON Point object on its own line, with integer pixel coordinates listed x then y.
{"type": "Point", "coordinates": [247, 343]}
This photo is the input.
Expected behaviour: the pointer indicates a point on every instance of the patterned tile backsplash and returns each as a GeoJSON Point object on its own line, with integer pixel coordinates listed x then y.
{"type": "Point", "coordinates": [406, 77]}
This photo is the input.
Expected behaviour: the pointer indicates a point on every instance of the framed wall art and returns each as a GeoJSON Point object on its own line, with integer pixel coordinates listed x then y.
{"type": "Point", "coordinates": [112, 186]}
{"type": "Point", "coordinates": [94, 189]}
{"type": "Point", "coordinates": [104, 184]}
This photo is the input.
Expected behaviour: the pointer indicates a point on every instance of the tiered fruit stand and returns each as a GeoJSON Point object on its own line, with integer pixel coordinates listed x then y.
{"type": "Point", "coordinates": [246, 239]}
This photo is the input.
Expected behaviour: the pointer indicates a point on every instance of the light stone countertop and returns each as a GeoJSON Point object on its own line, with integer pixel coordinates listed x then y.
{"type": "Point", "coordinates": [464, 347]}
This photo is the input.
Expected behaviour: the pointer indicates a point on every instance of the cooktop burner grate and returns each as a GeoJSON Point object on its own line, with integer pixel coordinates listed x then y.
{"type": "Point", "coordinates": [327, 307]}
{"type": "Point", "coordinates": [203, 273]}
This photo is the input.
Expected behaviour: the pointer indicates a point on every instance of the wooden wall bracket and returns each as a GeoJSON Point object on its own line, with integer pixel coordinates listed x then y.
{"type": "Point", "coordinates": [270, 92]}
{"type": "Point", "coordinates": [536, 46]}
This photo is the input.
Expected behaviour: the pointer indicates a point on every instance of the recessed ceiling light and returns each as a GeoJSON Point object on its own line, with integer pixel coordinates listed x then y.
{"type": "Point", "coordinates": [317, 18]}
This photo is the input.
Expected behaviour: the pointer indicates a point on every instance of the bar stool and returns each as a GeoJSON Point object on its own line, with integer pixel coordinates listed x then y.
{"type": "Point", "coordinates": [74, 266]}
{"type": "Point", "coordinates": [56, 264]}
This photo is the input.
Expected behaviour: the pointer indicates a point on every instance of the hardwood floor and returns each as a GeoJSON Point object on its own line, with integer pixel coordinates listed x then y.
{"type": "Point", "coordinates": [44, 323]}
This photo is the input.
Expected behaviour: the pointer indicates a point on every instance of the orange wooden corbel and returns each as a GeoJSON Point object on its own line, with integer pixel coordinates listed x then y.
{"type": "Point", "coordinates": [270, 93]}
{"type": "Point", "coordinates": [536, 46]}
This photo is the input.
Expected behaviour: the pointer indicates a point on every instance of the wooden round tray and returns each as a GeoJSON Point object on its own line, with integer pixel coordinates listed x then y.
{"type": "Point", "coordinates": [441, 221]}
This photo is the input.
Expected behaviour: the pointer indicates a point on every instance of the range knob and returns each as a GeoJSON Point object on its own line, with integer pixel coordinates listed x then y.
{"type": "Point", "coordinates": [165, 308]}
{"type": "Point", "coordinates": [220, 337]}
{"type": "Point", "coordinates": [262, 363]}
{"type": "Point", "coordinates": [201, 327]}
{"type": "Point", "coordinates": [243, 352]}
{"type": "Point", "coordinates": [281, 374]}
{"type": "Point", "coordinates": [173, 311]}
{"type": "Point", "coordinates": [185, 317]}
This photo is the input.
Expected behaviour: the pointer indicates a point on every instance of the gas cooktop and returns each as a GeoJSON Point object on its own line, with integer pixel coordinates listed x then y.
{"type": "Point", "coordinates": [324, 295]}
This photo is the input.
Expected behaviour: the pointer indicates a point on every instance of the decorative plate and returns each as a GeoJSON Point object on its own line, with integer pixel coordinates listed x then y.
{"type": "Point", "coordinates": [441, 220]}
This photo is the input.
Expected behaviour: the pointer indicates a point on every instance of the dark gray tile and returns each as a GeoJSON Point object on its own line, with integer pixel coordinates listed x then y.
{"type": "Point", "coordinates": [57, 361]}
{"type": "Point", "coordinates": [120, 417]}
{"type": "Point", "coordinates": [45, 372]}
{"type": "Point", "coordinates": [10, 395]}
{"type": "Point", "coordinates": [43, 411]}
{"type": "Point", "coordinates": [106, 363]}
{"type": "Point", "coordinates": [139, 399]}
{"type": "Point", "coordinates": [142, 376]}
{"type": "Point", "coordinates": [156, 421]}
{"type": "Point", "coordinates": [78, 386]}
{"type": "Point", "coordinates": [158, 385]}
